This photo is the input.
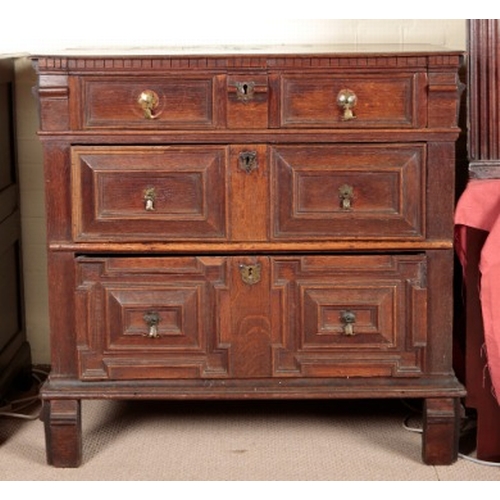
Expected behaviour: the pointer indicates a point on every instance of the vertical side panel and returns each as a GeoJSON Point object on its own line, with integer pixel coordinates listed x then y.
{"type": "Point", "coordinates": [62, 314]}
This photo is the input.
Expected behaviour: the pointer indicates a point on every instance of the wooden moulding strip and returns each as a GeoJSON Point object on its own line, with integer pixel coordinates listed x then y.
{"type": "Point", "coordinates": [332, 388]}
{"type": "Point", "coordinates": [249, 247]}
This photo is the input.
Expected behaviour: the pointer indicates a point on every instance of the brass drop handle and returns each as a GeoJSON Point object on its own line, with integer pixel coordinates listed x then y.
{"type": "Point", "coordinates": [152, 319]}
{"type": "Point", "coordinates": [148, 100]}
{"type": "Point", "coordinates": [149, 199]}
{"type": "Point", "coordinates": [347, 100]}
{"type": "Point", "coordinates": [346, 195]}
{"type": "Point", "coordinates": [348, 319]}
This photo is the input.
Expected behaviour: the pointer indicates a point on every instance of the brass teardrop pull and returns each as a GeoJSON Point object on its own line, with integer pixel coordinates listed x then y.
{"type": "Point", "coordinates": [149, 199]}
{"type": "Point", "coordinates": [152, 319]}
{"type": "Point", "coordinates": [348, 319]}
{"type": "Point", "coordinates": [346, 195]}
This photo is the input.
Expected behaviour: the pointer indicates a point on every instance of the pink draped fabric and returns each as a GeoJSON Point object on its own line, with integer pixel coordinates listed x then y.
{"type": "Point", "coordinates": [479, 207]}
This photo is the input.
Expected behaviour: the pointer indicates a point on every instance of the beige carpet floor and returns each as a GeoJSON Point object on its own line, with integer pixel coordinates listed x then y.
{"type": "Point", "coordinates": [235, 441]}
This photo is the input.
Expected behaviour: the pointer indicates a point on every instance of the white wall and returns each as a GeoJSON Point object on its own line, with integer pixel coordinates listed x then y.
{"type": "Point", "coordinates": [51, 27]}
{"type": "Point", "coordinates": [48, 25]}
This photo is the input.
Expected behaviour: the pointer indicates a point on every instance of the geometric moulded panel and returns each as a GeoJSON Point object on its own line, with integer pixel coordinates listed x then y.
{"type": "Point", "coordinates": [374, 192]}
{"type": "Point", "coordinates": [154, 193]}
{"type": "Point", "coordinates": [352, 315]}
{"type": "Point", "coordinates": [155, 309]}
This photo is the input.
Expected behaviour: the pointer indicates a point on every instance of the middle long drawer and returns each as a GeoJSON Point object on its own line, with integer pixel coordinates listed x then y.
{"type": "Point", "coordinates": [248, 192]}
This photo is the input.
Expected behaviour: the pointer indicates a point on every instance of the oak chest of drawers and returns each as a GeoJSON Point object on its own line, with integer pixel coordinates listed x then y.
{"type": "Point", "coordinates": [250, 225]}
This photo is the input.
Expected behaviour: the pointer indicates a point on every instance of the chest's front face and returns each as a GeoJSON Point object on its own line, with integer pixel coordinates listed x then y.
{"type": "Point", "coordinates": [251, 226]}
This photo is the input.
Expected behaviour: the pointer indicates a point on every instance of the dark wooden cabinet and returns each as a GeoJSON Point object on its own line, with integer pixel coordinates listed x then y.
{"type": "Point", "coordinates": [15, 357]}
{"type": "Point", "coordinates": [266, 225]}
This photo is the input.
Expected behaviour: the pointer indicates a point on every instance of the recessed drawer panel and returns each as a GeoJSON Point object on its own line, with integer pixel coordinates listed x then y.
{"type": "Point", "coordinates": [139, 102]}
{"type": "Point", "coordinates": [366, 101]}
{"type": "Point", "coordinates": [348, 191]}
{"type": "Point", "coordinates": [354, 316]}
{"type": "Point", "coordinates": [144, 194]}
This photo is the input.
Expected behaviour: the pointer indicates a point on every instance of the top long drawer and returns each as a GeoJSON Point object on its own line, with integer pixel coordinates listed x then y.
{"type": "Point", "coordinates": [251, 100]}
{"type": "Point", "coordinates": [330, 90]}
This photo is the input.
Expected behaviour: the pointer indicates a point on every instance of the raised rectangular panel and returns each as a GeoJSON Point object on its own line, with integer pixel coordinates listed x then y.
{"type": "Point", "coordinates": [349, 191]}
{"type": "Point", "coordinates": [154, 193]}
{"type": "Point", "coordinates": [176, 103]}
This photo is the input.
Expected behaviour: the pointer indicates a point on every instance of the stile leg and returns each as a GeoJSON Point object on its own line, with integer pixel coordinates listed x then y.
{"type": "Point", "coordinates": [63, 432]}
{"type": "Point", "coordinates": [441, 431]}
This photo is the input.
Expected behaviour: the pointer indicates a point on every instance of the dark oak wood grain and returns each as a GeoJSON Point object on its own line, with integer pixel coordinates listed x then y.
{"type": "Point", "coordinates": [247, 235]}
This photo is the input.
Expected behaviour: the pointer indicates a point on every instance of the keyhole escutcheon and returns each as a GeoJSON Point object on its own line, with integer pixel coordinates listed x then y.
{"type": "Point", "coordinates": [245, 91]}
{"type": "Point", "coordinates": [248, 161]}
{"type": "Point", "coordinates": [250, 274]}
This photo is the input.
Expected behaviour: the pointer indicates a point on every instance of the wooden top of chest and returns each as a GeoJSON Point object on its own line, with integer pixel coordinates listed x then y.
{"type": "Point", "coordinates": [257, 57]}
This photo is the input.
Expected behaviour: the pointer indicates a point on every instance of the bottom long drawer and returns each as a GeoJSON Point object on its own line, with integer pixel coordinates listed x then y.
{"type": "Point", "coordinates": [251, 316]}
